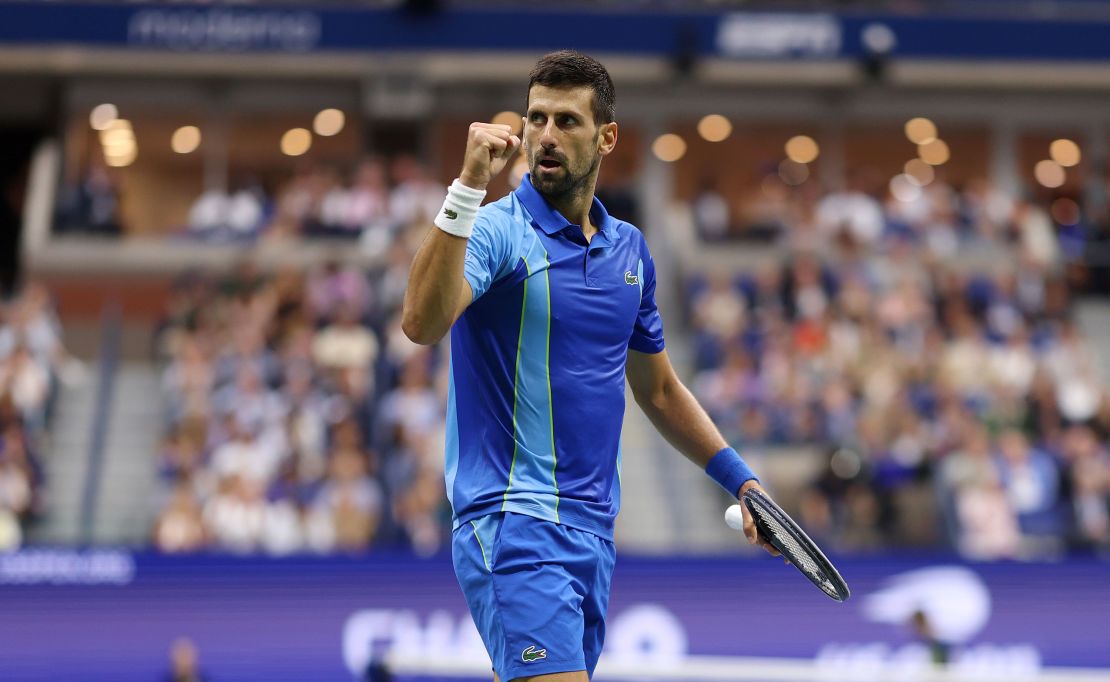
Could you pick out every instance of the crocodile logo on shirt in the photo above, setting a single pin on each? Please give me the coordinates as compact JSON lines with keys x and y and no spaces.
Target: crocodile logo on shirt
{"x":531,"y":654}
{"x":451,"y":215}
{"x":630,"y":279}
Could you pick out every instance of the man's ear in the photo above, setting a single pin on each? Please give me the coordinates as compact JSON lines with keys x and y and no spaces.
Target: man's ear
{"x":607,"y":138}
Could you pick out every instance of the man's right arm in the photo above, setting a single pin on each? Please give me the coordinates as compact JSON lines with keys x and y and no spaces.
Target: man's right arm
{"x":437,"y":292}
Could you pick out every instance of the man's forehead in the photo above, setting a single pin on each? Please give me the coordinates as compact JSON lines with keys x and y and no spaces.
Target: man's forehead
{"x":579,"y":97}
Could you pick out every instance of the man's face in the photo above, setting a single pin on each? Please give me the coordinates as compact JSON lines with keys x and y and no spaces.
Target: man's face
{"x":562,"y":143}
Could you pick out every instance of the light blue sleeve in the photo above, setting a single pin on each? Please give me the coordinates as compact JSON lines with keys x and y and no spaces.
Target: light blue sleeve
{"x":647,"y":335}
{"x":489,"y":252}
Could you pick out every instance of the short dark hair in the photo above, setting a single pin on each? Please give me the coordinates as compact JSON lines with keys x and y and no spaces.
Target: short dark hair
{"x":570,"y":69}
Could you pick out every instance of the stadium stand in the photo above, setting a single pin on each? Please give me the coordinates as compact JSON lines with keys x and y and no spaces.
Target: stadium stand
{"x":33,"y":364}
{"x":944,"y":397}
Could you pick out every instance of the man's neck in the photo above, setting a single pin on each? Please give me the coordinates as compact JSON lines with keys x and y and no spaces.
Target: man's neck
{"x":576,"y":209}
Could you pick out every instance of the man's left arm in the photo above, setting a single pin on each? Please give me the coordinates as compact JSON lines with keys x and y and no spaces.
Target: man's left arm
{"x":679,"y":417}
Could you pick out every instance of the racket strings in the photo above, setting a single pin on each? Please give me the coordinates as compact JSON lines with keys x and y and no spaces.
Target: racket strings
{"x":797,"y":554}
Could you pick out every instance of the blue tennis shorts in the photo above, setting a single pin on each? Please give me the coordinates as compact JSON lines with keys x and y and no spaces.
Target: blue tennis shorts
{"x":537,"y":590}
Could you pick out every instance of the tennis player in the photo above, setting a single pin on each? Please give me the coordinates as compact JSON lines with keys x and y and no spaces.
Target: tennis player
{"x":550,"y":303}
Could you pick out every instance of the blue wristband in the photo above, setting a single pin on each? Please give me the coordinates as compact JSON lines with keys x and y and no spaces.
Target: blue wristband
{"x":730,"y":471}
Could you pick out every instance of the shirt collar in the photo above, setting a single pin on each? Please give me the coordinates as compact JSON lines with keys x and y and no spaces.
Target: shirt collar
{"x":551,"y":220}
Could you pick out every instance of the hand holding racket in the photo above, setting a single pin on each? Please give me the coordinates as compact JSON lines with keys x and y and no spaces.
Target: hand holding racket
{"x":777,"y":529}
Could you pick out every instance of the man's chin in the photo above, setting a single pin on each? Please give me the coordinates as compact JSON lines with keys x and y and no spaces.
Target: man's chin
{"x":552,"y":183}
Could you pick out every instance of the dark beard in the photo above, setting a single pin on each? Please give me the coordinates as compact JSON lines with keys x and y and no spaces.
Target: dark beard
{"x":569,"y":185}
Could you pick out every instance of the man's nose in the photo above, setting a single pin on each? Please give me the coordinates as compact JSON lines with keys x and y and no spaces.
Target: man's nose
{"x":547,"y":137}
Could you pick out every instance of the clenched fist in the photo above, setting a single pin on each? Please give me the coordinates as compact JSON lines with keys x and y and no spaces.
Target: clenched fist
{"x":489,"y":146}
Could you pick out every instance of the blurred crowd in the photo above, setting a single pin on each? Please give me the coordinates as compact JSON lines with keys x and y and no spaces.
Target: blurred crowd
{"x":370,"y":203}
{"x":32,"y":361}
{"x":299,"y":416}
{"x":956,"y":402}
{"x":939,"y":218}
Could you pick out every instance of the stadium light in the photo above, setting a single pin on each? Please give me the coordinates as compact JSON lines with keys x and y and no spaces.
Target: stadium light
{"x":934,"y":153}
{"x":509,"y":118}
{"x":802,"y":149}
{"x":117,"y":139}
{"x":1049,"y":173}
{"x":185,"y":139}
{"x":669,"y":147}
{"x":296,"y":142}
{"x":329,"y":122}
{"x":102,"y":116}
{"x":714,"y":128}
{"x":1065,"y":152}
{"x":920,"y":130}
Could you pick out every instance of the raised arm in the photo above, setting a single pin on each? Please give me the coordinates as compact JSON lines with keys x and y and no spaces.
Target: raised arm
{"x":437,"y":292}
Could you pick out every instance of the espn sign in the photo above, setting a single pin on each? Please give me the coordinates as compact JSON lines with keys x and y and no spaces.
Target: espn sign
{"x":779,"y":35}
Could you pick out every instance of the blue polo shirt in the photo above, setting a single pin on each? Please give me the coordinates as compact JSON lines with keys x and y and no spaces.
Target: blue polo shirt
{"x":536,"y":397}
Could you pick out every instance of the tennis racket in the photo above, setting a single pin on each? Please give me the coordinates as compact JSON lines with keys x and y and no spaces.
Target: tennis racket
{"x":787,"y":537}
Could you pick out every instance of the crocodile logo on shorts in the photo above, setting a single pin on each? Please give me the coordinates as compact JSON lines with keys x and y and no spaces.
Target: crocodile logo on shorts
{"x":451,"y":215}
{"x":531,"y":654}
{"x":630,"y":279}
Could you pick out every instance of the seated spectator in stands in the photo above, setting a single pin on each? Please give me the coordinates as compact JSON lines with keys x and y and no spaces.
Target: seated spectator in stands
{"x":1088,"y":463}
{"x":235,"y":515}
{"x":711,"y":213}
{"x":1075,"y":371}
{"x":30,"y":322}
{"x":1031,"y":480}
{"x":413,"y":405}
{"x":359,"y":208}
{"x":180,"y":525}
{"x":183,"y":450}
{"x":217,"y":215}
{"x":17,"y":474}
{"x":720,"y":310}
{"x":987,"y":213}
{"x":391,"y":282}
{"x":1036,"y":233}
{"x":416,"y":196}
{"x":91,"y":205}
{"x":352,"y":499}
{"x":334,"y":286}
{"x":247,"y":348}
{"x":347,"y":349}
{"x":11,"y":533}
{"x":853,"y":210}
{"x":189,"y":380}
{"x":984,"y":521}
{"x":418,"y":510}
{"x":249,"y":453}
{"x":368,"y":207}
{"x":311,"y":413}
{"x":27,"y":381}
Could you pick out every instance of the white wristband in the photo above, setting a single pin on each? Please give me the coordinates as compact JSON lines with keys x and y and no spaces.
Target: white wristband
{"x":459,"y":210}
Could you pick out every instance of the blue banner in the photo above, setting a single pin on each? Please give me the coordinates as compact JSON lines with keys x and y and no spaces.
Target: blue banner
{"x":108,"y":615}
{"x":217,"y":28}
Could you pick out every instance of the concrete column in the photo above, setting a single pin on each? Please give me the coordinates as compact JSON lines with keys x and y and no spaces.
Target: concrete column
{"x":1004,"y":158}
{"x":1095,"y":153}
{"x":215,"y":141}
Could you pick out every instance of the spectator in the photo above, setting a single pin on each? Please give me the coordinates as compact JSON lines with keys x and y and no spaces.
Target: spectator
{"x":180,"y":526}
{"x":352,"y":499}
{"x":185,"y":662}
